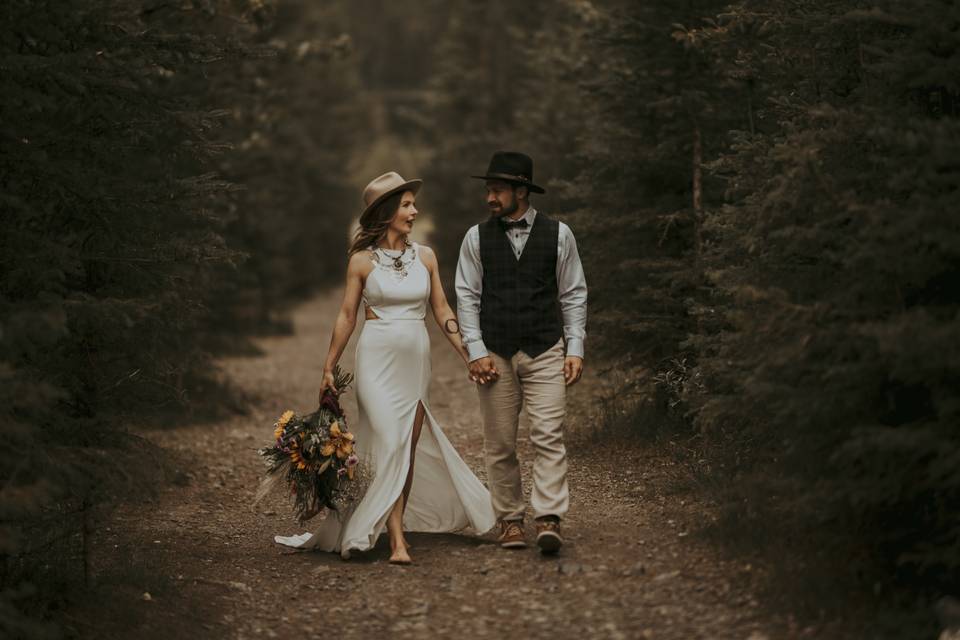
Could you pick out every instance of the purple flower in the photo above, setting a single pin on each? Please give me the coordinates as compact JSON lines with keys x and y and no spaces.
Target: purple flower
{"x":352,"y":460}
{"x":342,"y":471}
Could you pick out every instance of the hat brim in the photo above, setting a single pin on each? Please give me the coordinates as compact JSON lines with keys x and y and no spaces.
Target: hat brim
{"x":409,"y":185}
{"x":506,"y":177}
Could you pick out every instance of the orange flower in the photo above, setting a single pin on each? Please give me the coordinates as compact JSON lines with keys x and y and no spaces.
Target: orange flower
{"x":297,"y":459}
{"x":282,"y":422}
{"x":340,"y":442}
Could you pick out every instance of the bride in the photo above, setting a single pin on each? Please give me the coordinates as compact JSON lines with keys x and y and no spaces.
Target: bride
{"x":420,"y":483}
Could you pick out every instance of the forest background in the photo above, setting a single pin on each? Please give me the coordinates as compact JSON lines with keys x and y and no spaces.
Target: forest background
{"x":760,"y":192}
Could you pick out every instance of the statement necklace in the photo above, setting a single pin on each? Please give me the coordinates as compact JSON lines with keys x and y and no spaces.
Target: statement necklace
{"x":396,"y":266}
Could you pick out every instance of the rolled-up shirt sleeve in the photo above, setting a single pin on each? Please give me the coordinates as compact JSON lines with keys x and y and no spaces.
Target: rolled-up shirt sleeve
{"x":572,"y":289}
{"x":468,"y":284}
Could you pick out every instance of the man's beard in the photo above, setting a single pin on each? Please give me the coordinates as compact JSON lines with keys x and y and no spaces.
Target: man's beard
{"x":507,"y":210}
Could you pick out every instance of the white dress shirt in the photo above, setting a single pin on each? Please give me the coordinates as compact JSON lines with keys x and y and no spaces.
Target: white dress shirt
{"x":571,"y":286}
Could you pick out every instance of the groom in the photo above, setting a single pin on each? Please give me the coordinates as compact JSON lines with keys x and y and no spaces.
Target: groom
{"x":522,"y":307}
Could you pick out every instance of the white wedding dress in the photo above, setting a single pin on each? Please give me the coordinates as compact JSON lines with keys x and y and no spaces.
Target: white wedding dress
{"x":392,"y":376}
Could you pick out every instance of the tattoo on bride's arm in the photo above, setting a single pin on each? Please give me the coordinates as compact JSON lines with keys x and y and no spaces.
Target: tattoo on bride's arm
{"x":456,"y":326}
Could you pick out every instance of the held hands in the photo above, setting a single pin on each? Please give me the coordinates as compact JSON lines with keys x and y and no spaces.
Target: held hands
{"x":483,"y":370}
{"x":327,"y":383}
{"x":572,"y":369}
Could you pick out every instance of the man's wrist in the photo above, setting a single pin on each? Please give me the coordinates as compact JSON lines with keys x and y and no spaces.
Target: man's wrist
{"x":575,"y":347}
{"x":476,"y":350}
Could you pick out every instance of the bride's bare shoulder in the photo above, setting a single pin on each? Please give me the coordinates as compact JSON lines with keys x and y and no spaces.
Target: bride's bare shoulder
{"x":427,"y":252}
{"x":361,"y":263}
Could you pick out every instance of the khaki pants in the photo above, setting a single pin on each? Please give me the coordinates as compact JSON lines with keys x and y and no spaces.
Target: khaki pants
{"x":538,"y":384}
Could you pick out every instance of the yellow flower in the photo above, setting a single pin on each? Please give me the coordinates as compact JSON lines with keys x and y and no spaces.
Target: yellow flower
{"x":340,"y":442}
{"x":281,"y":423}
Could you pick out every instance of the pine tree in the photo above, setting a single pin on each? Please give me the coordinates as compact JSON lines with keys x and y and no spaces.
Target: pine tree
{"x":832,"y":378}
{"x":122,"y":230}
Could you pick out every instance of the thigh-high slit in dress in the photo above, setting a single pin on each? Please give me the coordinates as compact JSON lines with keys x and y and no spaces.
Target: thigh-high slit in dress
{"x":392,"y":377}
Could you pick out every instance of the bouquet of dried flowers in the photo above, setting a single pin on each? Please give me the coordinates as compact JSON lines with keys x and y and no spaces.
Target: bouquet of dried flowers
{"x":314,"y":456}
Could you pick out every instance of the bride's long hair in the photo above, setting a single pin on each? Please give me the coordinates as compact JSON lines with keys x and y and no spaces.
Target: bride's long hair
{"x":374,"y":228}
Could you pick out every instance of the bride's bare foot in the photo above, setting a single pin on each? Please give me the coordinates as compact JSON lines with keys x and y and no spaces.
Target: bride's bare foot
{"x":400,"y":556}
{"x":398,"y":542}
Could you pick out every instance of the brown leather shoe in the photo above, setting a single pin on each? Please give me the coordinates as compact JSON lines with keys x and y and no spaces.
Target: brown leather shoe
{"x":548,"y":536}
{"x":511,"y":534}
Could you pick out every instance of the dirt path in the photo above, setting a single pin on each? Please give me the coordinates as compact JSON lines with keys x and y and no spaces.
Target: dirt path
{"x":211,"y":569}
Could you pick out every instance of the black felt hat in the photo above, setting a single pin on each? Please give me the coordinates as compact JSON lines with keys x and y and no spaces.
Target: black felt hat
{"x":514,"y":167}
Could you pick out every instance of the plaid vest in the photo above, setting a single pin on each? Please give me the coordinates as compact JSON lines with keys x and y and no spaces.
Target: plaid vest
{"x":519,"y":306}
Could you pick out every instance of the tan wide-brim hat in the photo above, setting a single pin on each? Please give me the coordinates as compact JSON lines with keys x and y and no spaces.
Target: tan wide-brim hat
{"x":382,"y":187}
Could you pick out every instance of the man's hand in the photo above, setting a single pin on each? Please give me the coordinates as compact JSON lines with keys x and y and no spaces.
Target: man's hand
{"x":572,"y":369}
{"x":482,"y":370}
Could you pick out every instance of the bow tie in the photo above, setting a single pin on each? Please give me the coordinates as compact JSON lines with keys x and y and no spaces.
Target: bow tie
{"x":519,"y":224}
